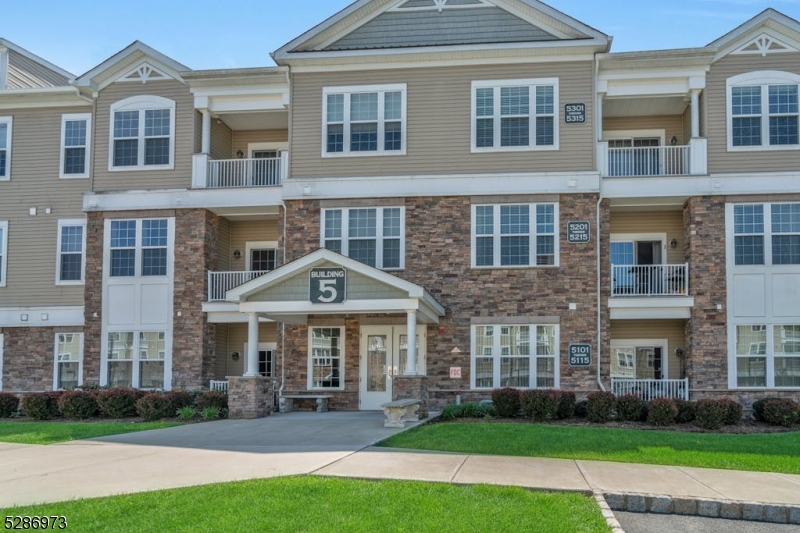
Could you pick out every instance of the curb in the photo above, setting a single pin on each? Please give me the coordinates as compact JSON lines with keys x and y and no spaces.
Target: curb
{"x":730,"y":509}
{"x":608,"y":514}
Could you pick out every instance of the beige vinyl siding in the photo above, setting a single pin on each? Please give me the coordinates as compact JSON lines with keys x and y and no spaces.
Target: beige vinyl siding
{"x":249,"y":231}
{"x":672,"y":330}
{"x":36,"y":148}
{"x":439,"y":111}
{"x":241,"y":139}
{"x":237,"y":337}
{"x":198,"y":132}
{"x":224,"y":245}
{"x":24,"y":73}
{"x":221,"y":139}
{"x":719,"y":159}
{"x":671,"y":124}
{"x":703,"y":111}
{"x":184,"y":127}
{"x":669,"y":222}
{"x":223,"y":359}
{"x":687,"y":127}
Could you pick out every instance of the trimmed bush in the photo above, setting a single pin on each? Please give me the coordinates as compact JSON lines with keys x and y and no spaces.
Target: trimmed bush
{"x":506,"y":402}
{"x":686,"y":411}
{"x":630,"y":408}
{"x":9,"y":404}
{"x":77,"y":404}
{"x":118,"y":403}
{"x":565,"y":407}
{"x":711,"y":414}
{"x":41,"y":405}
{"x":758,"y":407}
{"x":154,"y":406}
{"x":781,"y":412}
{"x":600,"y":407}
{"x":468,"y":410}
{"x":661,"y":412}
{"x":733,"y":414}
{"x":581,"y":409}
{"x":178,"y":399}
{"x":538,"y":405}
{"x":211,"y":399}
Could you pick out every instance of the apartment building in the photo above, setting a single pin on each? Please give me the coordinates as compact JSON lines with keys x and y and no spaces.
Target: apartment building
{"x":483,"y":176}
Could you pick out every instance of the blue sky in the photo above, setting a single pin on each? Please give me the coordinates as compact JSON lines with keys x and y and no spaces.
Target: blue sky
{"x":201,"y":34}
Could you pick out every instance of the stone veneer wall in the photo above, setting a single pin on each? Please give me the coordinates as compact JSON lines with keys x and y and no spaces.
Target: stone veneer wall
{"x":28,"y":357}
{"x":437,"y":256}
{"x":93,"y":298}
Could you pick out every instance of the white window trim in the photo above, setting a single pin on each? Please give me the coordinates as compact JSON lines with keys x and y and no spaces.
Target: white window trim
{"x":762,"y":79}
{"x":645,"y":343}
{"x":259,"y":245}
{"x":277,"y":146}
{"x":9,"y":121}
{"x":310,"y":365}
{"x":378,"y":233}
{"x":141,"y":104}
{"x":139,"y":249}
{"x":348,"y":90}
{"x":65,"y":223}
{"x":266,"y":347}
{"x":497,"y":84}
{"x":2,"y":344}
{"x":88,"y":146}
{"x":532,"y":357}
{"x":136,"y":359}
{"x":616,"y":135}
{"x":4,"y":254}
{"x":767,"y":235}
{"x":642,"y":237}
{"x":531,"y":234}
{"x":56,"y":362}
{"x":769,"y":356}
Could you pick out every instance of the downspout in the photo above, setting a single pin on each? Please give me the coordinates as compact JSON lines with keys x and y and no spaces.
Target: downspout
{"x":283,"y":324}
{"x":599,"y":291}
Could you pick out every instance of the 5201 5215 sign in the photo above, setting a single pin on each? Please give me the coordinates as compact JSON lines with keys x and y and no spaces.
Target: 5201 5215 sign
{"x":578,"y":232}
{"x":327,"y":285}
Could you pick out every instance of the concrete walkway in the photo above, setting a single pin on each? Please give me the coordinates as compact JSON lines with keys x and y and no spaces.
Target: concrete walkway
{"x":340,"y":444}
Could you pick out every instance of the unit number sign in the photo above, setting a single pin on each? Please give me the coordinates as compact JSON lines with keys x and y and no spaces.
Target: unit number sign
{"x":327,"y":285}
{"x":580,"y":355}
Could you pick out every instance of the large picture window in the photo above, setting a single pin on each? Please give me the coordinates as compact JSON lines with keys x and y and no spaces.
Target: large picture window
{"x":142,"y":134}
{"x":768,"y":356}
{"x":523,"y":356}
{"x":139,"y":247}
{"x":763,"y":111}
{"x":514,"y":235}
{"x":136,"y":359}
{"x":326,"y":358}
{"x":374,"y":236}
{"x":766,"y":234}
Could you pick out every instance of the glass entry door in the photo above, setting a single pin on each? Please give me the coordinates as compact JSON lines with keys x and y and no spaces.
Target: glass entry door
{"x":383,"y":356}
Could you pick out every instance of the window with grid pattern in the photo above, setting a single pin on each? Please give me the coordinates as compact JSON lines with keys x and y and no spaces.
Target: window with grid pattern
{"x":71,"y":256}
{"x":68,"y":359}
{"x":511,"y":235}
{"x":764,"y":111}
{"x":139,"y":247}
{"x":364,"y":120}
{"x":5,"y":148}
{"x":142,"y":133}
{"x":326,"y":356}
{"x":75,"y":136}
{"x":374,"y":236}
{"x":523,"y":356}
{"x":766,"y":234}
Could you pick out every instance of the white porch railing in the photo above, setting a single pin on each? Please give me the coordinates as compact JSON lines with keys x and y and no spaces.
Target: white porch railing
{"x":648,"y":389}
{"x":237,"y":173}
{"x":221,"y":386}
{"x":648,"y":161}
{"x":221,"y":282}
{"x":650,"y":280}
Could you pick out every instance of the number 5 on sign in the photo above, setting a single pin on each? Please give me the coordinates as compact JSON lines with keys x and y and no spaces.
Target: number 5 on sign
{"x":327,"y":285}
{"x":328,"y":289}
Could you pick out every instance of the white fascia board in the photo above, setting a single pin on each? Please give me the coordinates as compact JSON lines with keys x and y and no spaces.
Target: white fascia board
{"x":770,"y":18}
{"x":628,"y":88}
{"x":713,"y":185}
{"x":40,"y":98}
{"x":275,"y":102}
{"x":565,"y":19}
{"x":444,"y":185}
{"x":183,"y":199}
{"x":36,"y":59}
{"x":347,"y":307}
{"x":651,"y":314}
{"x":655,"y":302}
{"x":109,"y":70}
{"x":12,"y":317}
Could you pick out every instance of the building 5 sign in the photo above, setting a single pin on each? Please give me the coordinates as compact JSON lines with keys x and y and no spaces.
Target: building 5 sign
{"x":580,"y":355}
{"x":327,"y":285}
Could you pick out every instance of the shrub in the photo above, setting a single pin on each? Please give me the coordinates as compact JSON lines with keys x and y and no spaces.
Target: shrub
{"x":77,"y":404}
{"x":539,"y":405}
{"x":600,"y":407}
{"x":733,"y":413}
{"x":711,"y":414}
{"x":40,"y":405}
{"x":154,"y":406}
{"x":212,"y":398}
{"x":758,"y":407}
{"x":781,"y":412}
{"x":468,"y":410}
{"x":210,"y":413}
{"x":118,"y":403}
{"x":506,"y":402}
{"x":186,"y":413}
{"x":661,"y":412}
{"x":686,"y":411}
{"x":9,"y":404}
{"x":178,"y":399}
{"x":565,"y":407}
{"x":581,"y":409}
{"x":630,"y":407}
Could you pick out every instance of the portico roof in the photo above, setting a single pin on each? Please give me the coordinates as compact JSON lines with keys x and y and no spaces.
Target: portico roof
{"x":284,"y":293}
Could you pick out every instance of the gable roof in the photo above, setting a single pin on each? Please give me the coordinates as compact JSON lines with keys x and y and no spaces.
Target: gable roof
{"x":29,"y":71}
{"x":769,"y":26}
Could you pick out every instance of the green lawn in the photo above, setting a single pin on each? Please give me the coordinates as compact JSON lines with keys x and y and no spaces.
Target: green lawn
{"x":58,"y":431}
{"x":311,"y":504}
{"x":775,"y":452}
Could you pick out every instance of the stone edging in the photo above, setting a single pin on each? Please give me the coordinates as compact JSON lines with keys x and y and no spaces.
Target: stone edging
{"x":730,"y":509}
{"x":608,"y":514}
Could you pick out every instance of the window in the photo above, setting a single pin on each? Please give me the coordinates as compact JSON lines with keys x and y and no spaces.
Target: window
{"x":763,"y":111}
{"x":5,"y":148}
{"x":262,"y":260}
{"x":523,"y":356}
{"x":75,"y":143}
{"x":374,"y":236}
{"x":768,"y":356}
{"x":639,"y":359}
{"x":364,"y":120}
{"x":68,"y":372}
{"x":71,"y":260}
{"x":325,"y":358}
{"x":512,"y":235}
{"x":136,"y":359}
{"x":515,"y":115}
{"x":766,"y":234}
{"x":266,"y":363}
{"x":142,"y":134}
{"x":146,"y":240}
{"x":3,"y":251}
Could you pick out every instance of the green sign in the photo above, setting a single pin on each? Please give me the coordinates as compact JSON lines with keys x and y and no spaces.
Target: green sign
{"x":580,"y":355}
{"x":327,"y":285}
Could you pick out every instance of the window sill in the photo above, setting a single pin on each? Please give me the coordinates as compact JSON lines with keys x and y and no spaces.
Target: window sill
{"x":73,"y":177}
{"x":521,"y":267}
{"x":141,"y":168}
{"x":779,"y":148}
{"x":70,"y":283}
{"x":476,"y":150}
{"x":336,"y":155}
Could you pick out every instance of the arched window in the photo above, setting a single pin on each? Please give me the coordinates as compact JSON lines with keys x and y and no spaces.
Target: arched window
{"x":763,"y":111}
{"x":142,"y":134}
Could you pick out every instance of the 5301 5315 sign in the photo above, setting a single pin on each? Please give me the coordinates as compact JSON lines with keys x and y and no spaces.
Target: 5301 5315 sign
{"x":327,"y":285}
{"x":575,"y":113}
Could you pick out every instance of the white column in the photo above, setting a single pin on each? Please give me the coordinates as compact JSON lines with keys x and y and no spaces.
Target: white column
{"x":599,"y":116}
{"x":411,"y":352}
{"x":206,"y":144}
{"x":695,"y":113}
{"x":251,"y":370}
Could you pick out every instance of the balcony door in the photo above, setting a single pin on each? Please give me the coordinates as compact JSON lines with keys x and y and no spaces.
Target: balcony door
{"x":635,"y":152}
{"x":636,"y":264}
{"x":639,"y":359}
{"x":266,"y":163}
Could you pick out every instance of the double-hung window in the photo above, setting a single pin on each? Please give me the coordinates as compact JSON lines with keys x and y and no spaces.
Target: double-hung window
{"x":75,"y":145}
{"x":142,"y":134}
{"x":364,"y":120}
{"x":3,"y":251}
{"x":766,"y":234}
{"x":71,"y":261}
{"x":68,"y":372}
{"x":374,"y":236}
{"x":326,"y":358}
{"x":524,"y":356}
{"x":768,"y":355}
{"x":515,"y":115}
{"x":764,"y":111}
{"x":136,"y":359}
{"x":139,"y":247}
{"x":5,"y":148}
{"x":514,"y":235}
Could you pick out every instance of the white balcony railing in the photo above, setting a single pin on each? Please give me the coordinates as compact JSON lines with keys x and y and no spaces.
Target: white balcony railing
{"x":648,"y":161}
{"x":221,"y":282}
{"x":649,"y":280}
{"x":648,"y":389}
{"x":238,"y":173}
{"x":221,"y":386}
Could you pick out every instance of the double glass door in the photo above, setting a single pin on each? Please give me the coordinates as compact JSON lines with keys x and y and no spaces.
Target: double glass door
{"x":383,"y":356}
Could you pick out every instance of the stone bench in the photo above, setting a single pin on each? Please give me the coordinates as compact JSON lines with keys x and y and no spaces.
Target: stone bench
{"x":399,"y":412}
{"x":322,"y":401}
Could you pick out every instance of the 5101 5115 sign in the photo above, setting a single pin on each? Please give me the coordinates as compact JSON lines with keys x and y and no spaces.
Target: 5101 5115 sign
{"x":579,"y":232}
{"x":580,"y":355}
{"x":575,"y":113}
{"x":327,"y":285}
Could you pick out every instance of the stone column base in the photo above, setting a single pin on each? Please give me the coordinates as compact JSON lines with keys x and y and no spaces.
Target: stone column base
{"x":249,"y":397}
{"x":414,"y":388}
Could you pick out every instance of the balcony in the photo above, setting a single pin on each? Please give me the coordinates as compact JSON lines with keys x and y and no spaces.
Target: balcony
{"x":649,"y":389}
{"x":210,"y":173}
{"x":220,"y":283}
{"x":650,"y":291}
{"x":652,"y":161}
